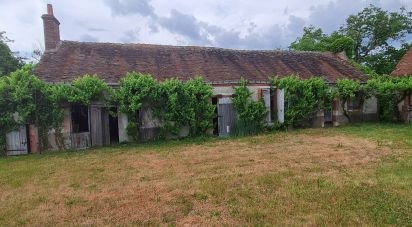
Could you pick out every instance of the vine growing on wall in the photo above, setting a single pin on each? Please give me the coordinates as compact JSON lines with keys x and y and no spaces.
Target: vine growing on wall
{"x":390,"y":91}
{"x":251,"y":113}
{"x":135,"y":89}
{"x":303,"y":98}
{"x":175,"y":104}
{"x":347,"y":89}
{"x":82,"y":91}
{"x":27,"y":100}
{"x":201,"y":110}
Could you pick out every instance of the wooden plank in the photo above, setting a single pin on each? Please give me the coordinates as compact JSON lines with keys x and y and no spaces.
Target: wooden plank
{"x":227,"y":118}
{"x":34,"y":139}
{"x":16,"y":142}
{"x":105,"y":127}
{"x":96,"y":126}
{"x":80,"y":140}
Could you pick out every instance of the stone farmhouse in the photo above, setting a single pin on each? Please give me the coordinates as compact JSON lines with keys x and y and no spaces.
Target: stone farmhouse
{"x":86,"y":126}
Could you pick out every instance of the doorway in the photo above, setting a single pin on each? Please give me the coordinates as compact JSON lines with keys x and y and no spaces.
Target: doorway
{"x":216,"y":117}
{"x":113,"y":126}
{"x":328,"y":118}
{"x":227,"y":116}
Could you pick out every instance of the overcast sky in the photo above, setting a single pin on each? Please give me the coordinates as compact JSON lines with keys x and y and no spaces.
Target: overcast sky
{"x":239,"y":24}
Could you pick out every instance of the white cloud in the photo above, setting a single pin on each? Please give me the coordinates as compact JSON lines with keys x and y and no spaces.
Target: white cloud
{"x":260,"y":24}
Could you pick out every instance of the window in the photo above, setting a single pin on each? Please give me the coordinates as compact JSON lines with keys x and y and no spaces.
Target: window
{"x":80,"y":119}
{"x":355,"y":103}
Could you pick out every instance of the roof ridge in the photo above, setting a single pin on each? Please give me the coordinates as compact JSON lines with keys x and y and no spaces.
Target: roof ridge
{"x":202,"y":47}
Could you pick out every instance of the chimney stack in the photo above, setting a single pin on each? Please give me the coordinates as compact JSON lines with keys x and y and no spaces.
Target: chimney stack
{"x":51,"y":29}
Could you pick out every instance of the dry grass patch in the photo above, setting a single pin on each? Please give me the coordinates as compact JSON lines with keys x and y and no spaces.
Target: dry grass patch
{"x":307,"y":177}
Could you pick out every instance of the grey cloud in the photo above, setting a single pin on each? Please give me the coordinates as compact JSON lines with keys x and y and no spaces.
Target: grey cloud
{"x":329,"y":17}
{"x":184,"y":24}
{"x":130,"y":7}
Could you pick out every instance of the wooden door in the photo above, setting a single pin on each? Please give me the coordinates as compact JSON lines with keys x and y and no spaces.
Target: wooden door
{"x":327,"y":116}
{"x":227,"y":118}
{"x":16,"y":142}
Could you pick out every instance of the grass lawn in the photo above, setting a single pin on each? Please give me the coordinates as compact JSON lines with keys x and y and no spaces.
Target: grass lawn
{"x":355,"y":175}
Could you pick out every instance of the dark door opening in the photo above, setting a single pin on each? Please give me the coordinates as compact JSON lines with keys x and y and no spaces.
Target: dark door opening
{"x":80,"y":119}
{"x":216,"y":118}
{"x":328,"y":117}
{"x":113,"y":126}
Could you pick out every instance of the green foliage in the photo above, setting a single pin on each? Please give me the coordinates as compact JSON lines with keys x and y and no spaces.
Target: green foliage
{"x":371,"y":38}
{"x":8,"y":61}
{"x":377,"y":34}
{"x":390,"y":91}
{"x":313,"y":39}
{"x":303,"y":98}
{"x":27,"y":100}
{"x":347,"y":89}
{"x":174,"y":111}
{"x":82,"y":91}
{"x":174,"y":103}
{"x":135,"y":89}
{"x":199,"y":103}
{"x":384,"y":62}
{"x":251,"y":113}
{"x":132,"y":128}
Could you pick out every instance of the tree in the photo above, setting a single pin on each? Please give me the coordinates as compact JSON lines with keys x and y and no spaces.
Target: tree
{"x":385,"y":62}
{"x":376,"y":33}
{"x":314,"y":39}
{"x":8,"y":61}
{"x":372,"y":38}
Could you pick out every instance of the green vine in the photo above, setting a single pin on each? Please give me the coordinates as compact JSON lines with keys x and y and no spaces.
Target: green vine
{"x":251,"y":113}
{"x":303,"y":98}
{"x":27,"y":100}
{"x":174,"y":103}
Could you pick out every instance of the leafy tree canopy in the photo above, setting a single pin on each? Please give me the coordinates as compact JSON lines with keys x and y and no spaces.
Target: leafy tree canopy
{"x":314,"y":39}
{"x":374,"y":38}
{"x":8,"y":61}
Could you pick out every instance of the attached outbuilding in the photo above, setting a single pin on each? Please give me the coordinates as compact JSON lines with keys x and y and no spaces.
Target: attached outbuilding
{"x":404,"y":68}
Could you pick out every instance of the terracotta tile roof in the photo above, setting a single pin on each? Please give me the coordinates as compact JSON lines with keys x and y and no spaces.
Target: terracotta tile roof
{"x":404,"y":66}
{"x":111,"y":62}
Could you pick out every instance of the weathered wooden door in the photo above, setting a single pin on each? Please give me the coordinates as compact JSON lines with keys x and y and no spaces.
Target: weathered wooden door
{"x":327,"y":115}
{"x":227,"y":117}
{"x":16,"y":142}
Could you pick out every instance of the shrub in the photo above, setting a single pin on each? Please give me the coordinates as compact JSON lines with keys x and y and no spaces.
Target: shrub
{"x":251,"y":113}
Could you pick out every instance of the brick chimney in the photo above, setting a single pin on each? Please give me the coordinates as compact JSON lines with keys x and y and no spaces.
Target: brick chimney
{"x":51,"y":29}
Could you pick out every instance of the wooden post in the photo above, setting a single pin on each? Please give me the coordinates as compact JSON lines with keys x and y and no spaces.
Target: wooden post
{"x":34,"y":139}
{"x":405,"y":109}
